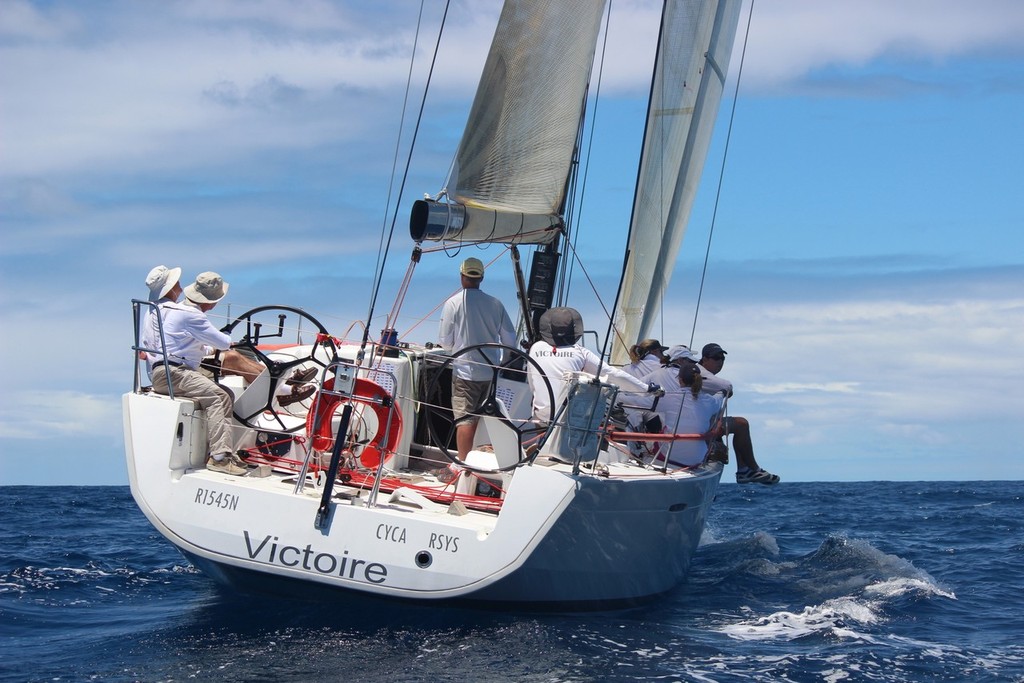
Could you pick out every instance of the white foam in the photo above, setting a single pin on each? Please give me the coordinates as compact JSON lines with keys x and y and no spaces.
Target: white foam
{"x":897,"y":586}
{"x":832,"y":616}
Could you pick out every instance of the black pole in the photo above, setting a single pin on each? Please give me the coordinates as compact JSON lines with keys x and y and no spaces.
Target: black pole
{"x":323,"y":513}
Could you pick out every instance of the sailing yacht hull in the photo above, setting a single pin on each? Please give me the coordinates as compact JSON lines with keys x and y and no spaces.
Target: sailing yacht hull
{"x":559,"y":540}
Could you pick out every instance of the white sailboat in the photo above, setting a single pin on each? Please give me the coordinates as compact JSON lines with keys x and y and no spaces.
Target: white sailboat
{"x":341,"y":493}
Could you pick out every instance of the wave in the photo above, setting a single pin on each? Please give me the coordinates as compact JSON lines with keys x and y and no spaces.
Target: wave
{"x":64,"y":584}
{"x":850,"y":583}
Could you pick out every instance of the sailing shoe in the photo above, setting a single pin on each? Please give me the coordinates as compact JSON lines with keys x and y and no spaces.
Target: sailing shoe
{"x":226,"y":466}
{"x":300,"y":377}
{"x":758,"y":476}
{"x":446,"y":474}
{"x":299,"y":393}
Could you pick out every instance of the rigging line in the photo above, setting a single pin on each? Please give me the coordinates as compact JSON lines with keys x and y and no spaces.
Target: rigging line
{"x":593,"y":125}
{"x":388,"y":322}
{"x":597,"y":295}
{"x":401,"y":129}
{"x":721,"y":172}
{"x":401,"y":189}
{"x":611,"y":321}
{"x":431,"y":312}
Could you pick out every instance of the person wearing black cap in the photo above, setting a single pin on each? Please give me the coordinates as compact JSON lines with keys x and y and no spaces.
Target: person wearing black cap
{"x":712,"y":358}
{"x":747,"y":470}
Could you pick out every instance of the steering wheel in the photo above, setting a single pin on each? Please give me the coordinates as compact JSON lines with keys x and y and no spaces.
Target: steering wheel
{"x":488,"y":407}
{"x":259,"y":326}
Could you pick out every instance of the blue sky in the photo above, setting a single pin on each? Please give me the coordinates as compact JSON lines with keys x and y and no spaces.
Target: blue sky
{"x":866,"y":271}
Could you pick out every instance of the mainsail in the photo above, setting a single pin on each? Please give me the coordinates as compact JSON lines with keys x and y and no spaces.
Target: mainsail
{"x":509,"y":179}
{"x":692,"y":62}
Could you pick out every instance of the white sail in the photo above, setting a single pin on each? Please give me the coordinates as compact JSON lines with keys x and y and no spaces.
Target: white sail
{"x":509,"y":178}
{"x":692,"y":62}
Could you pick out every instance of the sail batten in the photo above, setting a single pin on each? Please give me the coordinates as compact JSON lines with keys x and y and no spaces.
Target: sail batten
{"x":693,"y":58}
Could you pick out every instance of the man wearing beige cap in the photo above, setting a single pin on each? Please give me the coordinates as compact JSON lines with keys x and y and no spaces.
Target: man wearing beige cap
{"x":471,"y":317}
{"x":232,"y":362}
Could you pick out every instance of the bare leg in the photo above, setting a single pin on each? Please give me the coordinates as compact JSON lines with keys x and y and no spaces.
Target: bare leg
{"x":742,"y":445}
{"x":464,"y":435}
{"x":234,"y":363}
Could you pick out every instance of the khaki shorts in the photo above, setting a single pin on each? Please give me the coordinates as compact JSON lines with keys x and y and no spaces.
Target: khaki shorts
{"x":467,"y":395}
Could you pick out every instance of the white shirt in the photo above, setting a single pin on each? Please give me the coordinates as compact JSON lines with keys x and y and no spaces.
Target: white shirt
{"x":644,"y":366}
{"x":681,"y":413}
{"x":557,"y":361}
{"x":472,"y":317}
{"x":713,"y":384}
{"x":187,"y":331}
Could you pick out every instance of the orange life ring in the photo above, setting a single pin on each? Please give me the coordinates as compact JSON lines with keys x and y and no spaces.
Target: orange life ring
{"x":377,"y":399}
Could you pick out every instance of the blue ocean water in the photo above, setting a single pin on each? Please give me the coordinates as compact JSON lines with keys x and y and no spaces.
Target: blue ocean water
{"x":876,"y":581}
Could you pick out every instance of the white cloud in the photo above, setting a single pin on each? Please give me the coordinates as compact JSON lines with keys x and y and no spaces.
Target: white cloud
{"x":794,"y":387}
{"x":792,"y":38}
{"x":196,"y":81}
{"x":58,"y":414}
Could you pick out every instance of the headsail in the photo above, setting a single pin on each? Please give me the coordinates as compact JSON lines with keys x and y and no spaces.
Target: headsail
{"x":509,"y":180}
{"x":692,"y":62}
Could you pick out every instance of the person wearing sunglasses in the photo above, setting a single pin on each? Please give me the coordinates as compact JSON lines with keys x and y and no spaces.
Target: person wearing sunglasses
{"x":747,"y":470}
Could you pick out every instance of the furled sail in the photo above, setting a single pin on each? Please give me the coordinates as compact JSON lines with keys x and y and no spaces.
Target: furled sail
{"x":509,"y":179}
{"x":692,"y":62}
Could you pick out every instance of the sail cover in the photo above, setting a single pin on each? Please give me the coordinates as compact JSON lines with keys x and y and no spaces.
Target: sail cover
{"x":692,"y":62}
{"x":510,"y":172}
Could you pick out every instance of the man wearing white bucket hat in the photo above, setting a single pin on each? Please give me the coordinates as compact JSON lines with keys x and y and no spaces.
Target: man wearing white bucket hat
{"x":164,"y":284}
{"x":164,"y":287}
{"x":187,"y":334}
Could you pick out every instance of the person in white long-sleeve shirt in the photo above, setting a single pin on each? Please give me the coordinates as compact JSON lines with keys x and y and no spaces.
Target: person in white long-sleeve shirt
{"x":684,"y":409}
{"x":470,"y":317}
{"x":558,"y":352}
{"x":647,"y":356}
{"x":164,"y":287}
{"x":188,"y":335}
